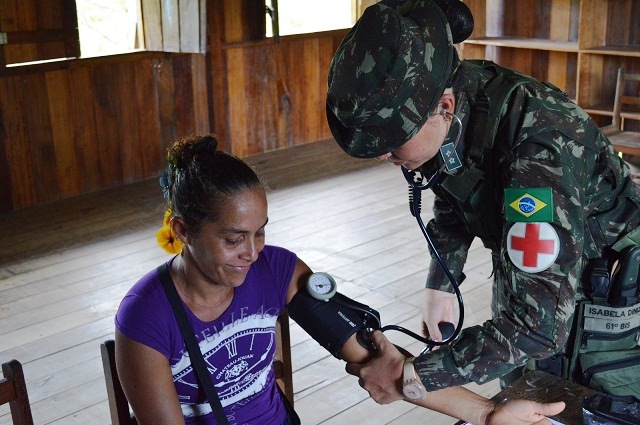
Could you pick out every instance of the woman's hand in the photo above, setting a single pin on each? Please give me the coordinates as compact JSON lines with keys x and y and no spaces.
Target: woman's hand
{"x":522,"y":412}
{"x":381,"y":376}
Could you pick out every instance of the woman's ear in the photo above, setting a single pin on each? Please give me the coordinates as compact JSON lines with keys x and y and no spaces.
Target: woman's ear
{"x":179,"y":229}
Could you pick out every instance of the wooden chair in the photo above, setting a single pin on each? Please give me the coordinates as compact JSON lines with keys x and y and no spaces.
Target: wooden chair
{"x":282,"y":363}
{"x":13,"y":390}
{"x":625,"y":142}
{"x":119,"y":405}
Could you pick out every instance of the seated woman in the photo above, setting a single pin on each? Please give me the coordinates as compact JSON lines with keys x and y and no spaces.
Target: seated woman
{"x":233,"y":286}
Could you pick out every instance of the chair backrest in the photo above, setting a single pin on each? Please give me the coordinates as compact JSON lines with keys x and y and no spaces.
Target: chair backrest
{"x":626,"y":105}
{"x":282,"y":363}
{"x":119,"y":405}
{"x":13,"y":390}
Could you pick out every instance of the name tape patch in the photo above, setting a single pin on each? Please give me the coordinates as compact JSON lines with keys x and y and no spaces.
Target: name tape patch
{"x":611,"y":320}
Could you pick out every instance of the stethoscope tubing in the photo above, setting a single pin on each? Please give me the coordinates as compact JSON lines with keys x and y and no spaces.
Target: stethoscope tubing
{"x":416,"y":186}
{"x":443,"y":265}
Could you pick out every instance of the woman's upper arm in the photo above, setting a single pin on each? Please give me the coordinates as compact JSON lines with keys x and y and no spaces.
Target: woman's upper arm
{"x":351,"y":351}
{"x":300,"y":274}
{"x":145,"y":375}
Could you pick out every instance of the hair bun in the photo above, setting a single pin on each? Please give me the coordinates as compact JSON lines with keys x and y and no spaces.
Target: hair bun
{"x":460,"y":18}
{"x":185,"y":150}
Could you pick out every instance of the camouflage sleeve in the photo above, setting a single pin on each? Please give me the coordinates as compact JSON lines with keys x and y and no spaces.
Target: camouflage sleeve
{"x":531,"y":311}
{"x":452,"y":241}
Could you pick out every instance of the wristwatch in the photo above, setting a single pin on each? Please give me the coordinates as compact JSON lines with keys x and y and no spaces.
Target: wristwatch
{"x":412,"y":387}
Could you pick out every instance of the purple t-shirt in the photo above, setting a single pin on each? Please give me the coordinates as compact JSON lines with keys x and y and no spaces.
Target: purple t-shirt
{"x":238,"y":347}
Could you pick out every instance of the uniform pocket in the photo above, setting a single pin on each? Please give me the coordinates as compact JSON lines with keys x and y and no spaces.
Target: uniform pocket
{"x":612,"y":372}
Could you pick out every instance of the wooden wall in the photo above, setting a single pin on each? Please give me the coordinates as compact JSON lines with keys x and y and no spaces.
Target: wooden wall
{"x":37,"y":30}
{"x":83,"y":125}
{"x":276,"y":92}
{"x":80,"y":126}
{"x":266,"y":95}
{"x":174,"y":25}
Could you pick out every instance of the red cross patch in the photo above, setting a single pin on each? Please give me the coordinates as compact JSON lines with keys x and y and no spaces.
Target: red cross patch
{"x":532,"y":247}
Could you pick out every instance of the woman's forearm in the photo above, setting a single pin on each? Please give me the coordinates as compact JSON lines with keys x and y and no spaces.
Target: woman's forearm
{"x":353,"y":352}
{"x":458,"y":402}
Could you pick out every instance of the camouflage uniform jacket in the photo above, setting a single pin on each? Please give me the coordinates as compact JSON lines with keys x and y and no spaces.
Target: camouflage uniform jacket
{"x":543,"y":141}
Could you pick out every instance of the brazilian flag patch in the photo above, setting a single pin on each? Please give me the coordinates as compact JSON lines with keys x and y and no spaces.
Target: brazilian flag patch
{"x":529,"y":204}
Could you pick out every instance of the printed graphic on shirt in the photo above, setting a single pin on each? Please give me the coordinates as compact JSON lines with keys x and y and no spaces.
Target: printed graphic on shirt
{"x":529,"y":205}
{"x":532,"y":247}
{"x":239,"y":357}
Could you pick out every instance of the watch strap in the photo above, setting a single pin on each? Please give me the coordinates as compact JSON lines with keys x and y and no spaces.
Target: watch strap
{"x":411,"y":382}
{"x":409,"y":371}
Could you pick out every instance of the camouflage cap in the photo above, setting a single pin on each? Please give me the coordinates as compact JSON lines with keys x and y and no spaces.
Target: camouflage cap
{"x":387,"y":75}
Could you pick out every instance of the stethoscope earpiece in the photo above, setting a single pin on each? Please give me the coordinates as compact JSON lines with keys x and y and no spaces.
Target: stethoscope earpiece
{"x":419,"y":180}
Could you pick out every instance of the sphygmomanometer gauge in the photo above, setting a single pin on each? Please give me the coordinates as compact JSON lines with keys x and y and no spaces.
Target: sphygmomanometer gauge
{"x":321,"y":286}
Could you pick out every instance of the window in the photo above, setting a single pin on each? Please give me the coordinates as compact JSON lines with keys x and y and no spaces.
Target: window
{"x":107,"y":27}
{"x":297,"y":16}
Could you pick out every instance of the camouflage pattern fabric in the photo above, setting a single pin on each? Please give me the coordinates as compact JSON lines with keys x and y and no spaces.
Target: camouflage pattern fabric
{"x":371,"y":103}
{"x":544,"y":141}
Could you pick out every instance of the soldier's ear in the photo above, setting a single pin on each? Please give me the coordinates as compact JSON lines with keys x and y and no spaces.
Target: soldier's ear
{"x":447,"y":103}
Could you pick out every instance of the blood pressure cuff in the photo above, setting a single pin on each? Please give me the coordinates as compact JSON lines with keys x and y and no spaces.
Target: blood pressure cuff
{"x":330,"y":322}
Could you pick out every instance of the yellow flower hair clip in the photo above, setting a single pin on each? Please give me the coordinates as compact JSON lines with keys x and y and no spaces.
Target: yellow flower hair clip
{"x":166,"y":238}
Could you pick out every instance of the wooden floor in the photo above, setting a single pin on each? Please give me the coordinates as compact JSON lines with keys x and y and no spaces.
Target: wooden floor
{"x":64,"y":268}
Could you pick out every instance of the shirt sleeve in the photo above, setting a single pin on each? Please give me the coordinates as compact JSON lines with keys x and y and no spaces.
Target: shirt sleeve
{"x":450,"y":237}
{"x":145,"y":315}
{"x":282,"y":263}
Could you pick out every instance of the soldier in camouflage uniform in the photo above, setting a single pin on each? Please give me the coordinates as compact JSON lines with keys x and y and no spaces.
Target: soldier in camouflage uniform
{"x":536,"y":181}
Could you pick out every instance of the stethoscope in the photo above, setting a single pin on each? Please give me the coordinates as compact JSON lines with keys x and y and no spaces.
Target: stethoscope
{"x":417,"y":183}
{"x":371,"y":319}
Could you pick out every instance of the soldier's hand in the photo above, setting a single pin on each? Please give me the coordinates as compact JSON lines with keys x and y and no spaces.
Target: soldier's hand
{"x":438,"y":306}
